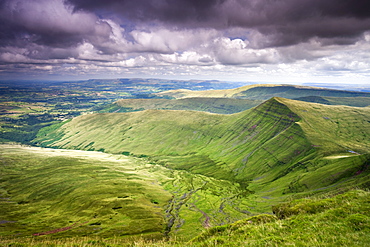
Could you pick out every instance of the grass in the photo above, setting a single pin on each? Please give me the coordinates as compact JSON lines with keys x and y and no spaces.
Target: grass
{"x":174,"y":174}
{"x":51,"y":193}
{"x":46,"y":190}
{"x":340,"y":220}
{"x":276,"y":150}
{"x":334,"y":127}
{"x":271,"y":142}
{"x":330,"y":220}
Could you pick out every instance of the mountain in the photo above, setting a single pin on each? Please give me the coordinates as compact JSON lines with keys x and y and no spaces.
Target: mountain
{"x":264,"y":92}
{"x":288,"y":145}
{"x":208,"y":177}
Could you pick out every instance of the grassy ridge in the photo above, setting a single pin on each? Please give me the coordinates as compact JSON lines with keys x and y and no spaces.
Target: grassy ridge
{"x":282,"y":146}
{"x":290,"y":91}
{"x":259,"y":138}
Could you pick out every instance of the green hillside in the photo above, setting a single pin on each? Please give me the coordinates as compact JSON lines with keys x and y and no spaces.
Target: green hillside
{"x":214,"y":105}
{"x":207,"y":178}
{"x":71,"y":193}
{"x":264,"y":92}
{"x":54,"y":193}
{"x":282,"y":144}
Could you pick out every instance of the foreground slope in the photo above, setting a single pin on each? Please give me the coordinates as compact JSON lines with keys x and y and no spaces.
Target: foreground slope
{"x":280,"y":146}
{"x":72,"y":193}
{"x":343,"y":220}
{"x":69,"y":193}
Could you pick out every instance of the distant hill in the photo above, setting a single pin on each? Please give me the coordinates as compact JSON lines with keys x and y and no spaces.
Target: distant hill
{"x":291,"y":146}
{"x":214,"y":105}
{"x":264,"y":92}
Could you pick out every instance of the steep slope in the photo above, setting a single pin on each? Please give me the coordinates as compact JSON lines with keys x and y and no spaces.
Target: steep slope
{"x":264,"y":92}
{"x":280,"y":144}
{"x":231,"y":142}
{"x":334,"y":128}
{"x":340,"y":142}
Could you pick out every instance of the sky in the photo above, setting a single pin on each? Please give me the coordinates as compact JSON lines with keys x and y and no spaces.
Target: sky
{"x":283,"y":41}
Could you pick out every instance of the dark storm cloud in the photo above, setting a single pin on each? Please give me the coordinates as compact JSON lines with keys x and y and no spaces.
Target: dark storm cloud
{"x":48,"y":23}
{"x":283,"y":22}
{"x":175,"y":11}
{"x":286,"y":22}
{"x":180,"y":10}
